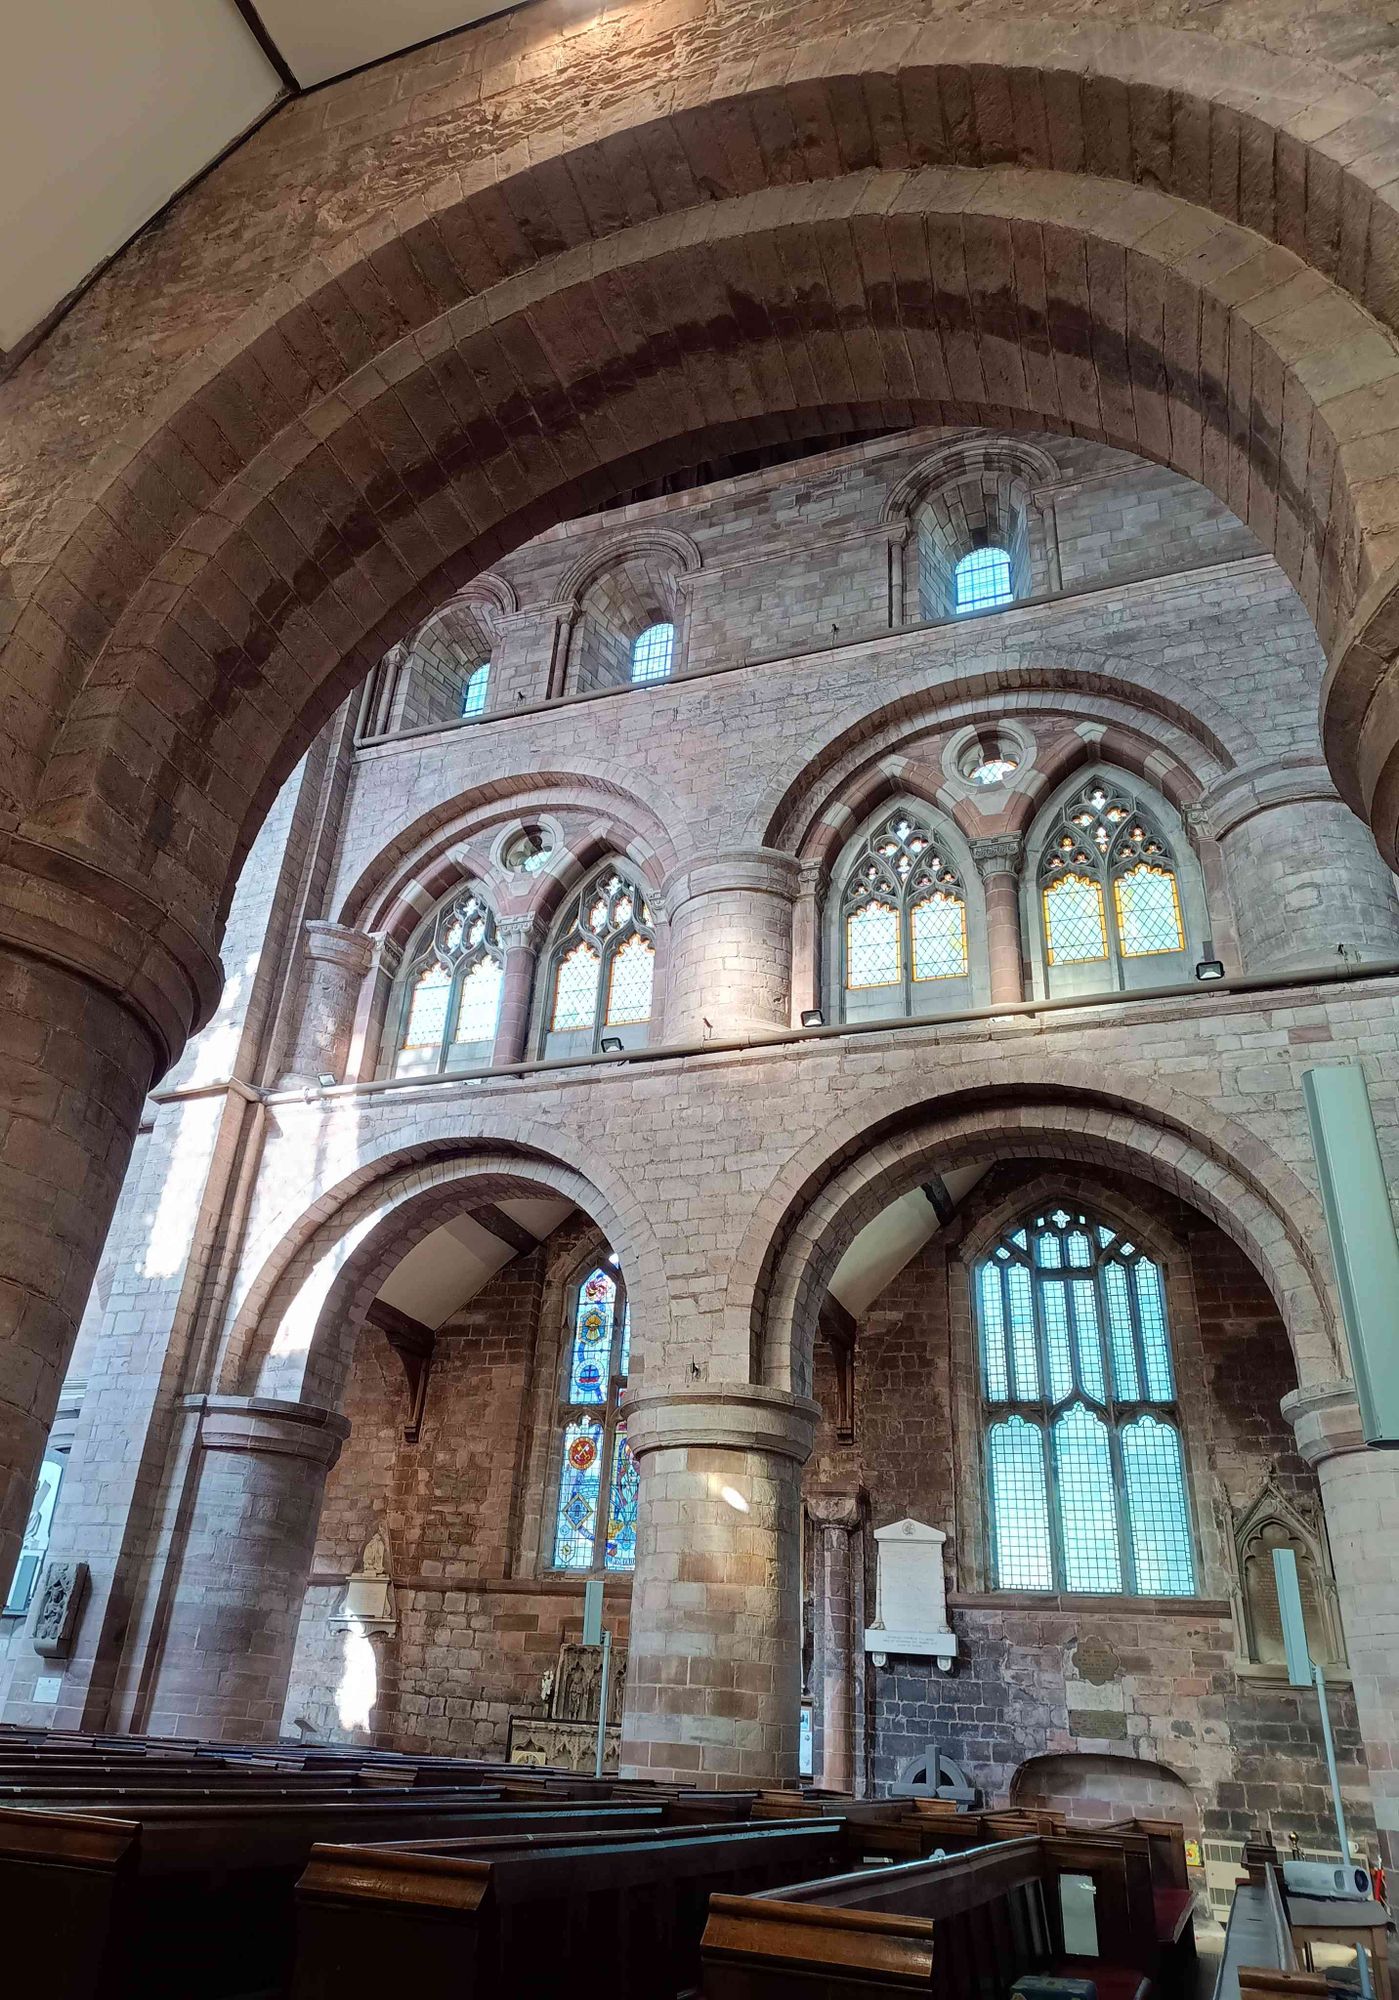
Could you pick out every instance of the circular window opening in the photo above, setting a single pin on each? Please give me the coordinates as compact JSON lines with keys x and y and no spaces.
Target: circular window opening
{"x":989,"y":761}
{"x":529,"y":851}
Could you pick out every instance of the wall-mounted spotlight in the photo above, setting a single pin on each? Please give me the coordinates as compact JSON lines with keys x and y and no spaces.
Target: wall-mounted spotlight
{"x":611,"y":1045}
{"x":812,"y":1017}
{"x":326,"y":1080}
{"x":1210,"y":968}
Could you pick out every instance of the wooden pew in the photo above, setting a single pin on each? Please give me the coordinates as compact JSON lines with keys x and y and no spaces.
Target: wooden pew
{"x":516,"y":1919}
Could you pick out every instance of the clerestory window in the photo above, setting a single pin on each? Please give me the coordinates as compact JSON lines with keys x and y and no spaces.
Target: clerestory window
{"x":601,"y":970}
{"x":903,"y":924}
{"x":982,"y":580}
{"x":652,"y":653}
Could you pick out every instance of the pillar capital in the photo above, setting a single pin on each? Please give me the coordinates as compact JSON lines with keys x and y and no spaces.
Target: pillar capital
{"x":841,"y":1508}
{"x":1325,"y":1418}
{"x":764,"y":871}
{"x":998,"y":854}
{"x":266,"y":1425}
{"x":738,"y":1416}
{"x":339,"y":945}
{"x":520,"y":933}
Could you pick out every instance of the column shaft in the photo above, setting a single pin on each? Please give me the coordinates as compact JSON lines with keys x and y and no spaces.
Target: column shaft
{"x":730,"y":956}
{"x":1306,"y":884}
{"x":998,"y":864}
{"x":520,"y":936}
{"x":837,"y":1630}
{"x":337,"y":959}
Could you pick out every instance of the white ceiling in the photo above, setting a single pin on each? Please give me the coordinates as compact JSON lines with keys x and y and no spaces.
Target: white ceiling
{"x":109,"y":107}
{"x":892,"y":1240}
{"x":447,"y":1269}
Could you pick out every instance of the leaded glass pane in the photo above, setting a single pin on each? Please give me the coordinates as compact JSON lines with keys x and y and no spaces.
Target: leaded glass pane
{"x":1125,"y":1384}
{"x":1056,"y":1339}
{"x":1073,"y":920}
{"x":1156,"y":1347}
{"x":1088,"y":1345}
{"x":620,"y":1552}
{"x":1024,"y":1360}
{"x":1048,"y":1251}
{"x":427,"y":1009}
{"x":982,"y":580}
{"x":592,"y":1339}
{"x":993,"y":1336}
{"x":629,"y":983}
{"x":575,"y":989}
{"x":1019,"y":1508}
{"x":1158,"y":1518}
{"x":1080,"y":1250}
{"x":575,"y":1527}
{"x":1083,"y":1485}
{"x":479,"y":1005}
{"x":872,"y":946}
{"x":473,"y":699}
{"x":651,"y":653}
{"x":1148,"y":911}
{"x":939,"y":938}
{"x":624,"y":1352}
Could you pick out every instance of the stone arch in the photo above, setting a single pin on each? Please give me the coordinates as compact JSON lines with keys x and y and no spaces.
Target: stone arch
{"x":1016,"y":1107}
{"x":1102,"y":1785}
{"x":294,"y":1331}
{"x":614,"y":594}
{"x":971,"y":493}
{"x":667,"y":545}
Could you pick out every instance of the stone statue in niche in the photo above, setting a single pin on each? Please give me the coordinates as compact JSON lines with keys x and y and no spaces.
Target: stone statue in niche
{"x":567,"y":1735}
{"x":58,"y":1609}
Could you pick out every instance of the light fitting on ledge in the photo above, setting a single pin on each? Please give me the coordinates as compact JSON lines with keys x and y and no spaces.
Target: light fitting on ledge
{"x":611,"y":1045}
{"x":326,"y":1080}
{"x":1210,"y":968}
{"x":812,"y":1017}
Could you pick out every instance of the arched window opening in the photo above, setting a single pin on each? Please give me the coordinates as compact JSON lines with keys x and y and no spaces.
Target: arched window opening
{"x":1110,"y":895}
{"x":652,"y":652}
{"x":602,"y":969}
{"x":473,"y":694}
{"x":451,"y":991}
{"x":1085,"y":1472}
{"x":903,"y":925}
{"x":981,"y":581}
{"x":594,"y":1511}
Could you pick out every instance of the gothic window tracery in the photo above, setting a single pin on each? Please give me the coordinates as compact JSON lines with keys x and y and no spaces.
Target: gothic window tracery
{"x":451,"y":990}
{"x":595,"y":1503}
{"x":1110,"y":892}
{"x":602,"y":968}
{"x":903,"y":923}
{"x":1275,"y":1522}
{"x":1085,"y":1469}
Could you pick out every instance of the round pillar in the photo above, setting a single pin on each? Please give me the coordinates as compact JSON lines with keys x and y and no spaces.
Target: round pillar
{"x":521,"y":938}
{"x":837,"y":1632}
{"x":227,"y":1650}
{"x":1360,"y":1498}
{"x":998,"y":859}
{"x":337,"y":959}
{"x":806,"y":939}
{"x":1306,"y":883}
{"x":730,"y":945}
{"x":713,"y":1694}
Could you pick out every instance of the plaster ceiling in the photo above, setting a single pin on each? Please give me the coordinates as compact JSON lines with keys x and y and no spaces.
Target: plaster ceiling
{"x":893,"y":1239}
{"x":448,"y":1268}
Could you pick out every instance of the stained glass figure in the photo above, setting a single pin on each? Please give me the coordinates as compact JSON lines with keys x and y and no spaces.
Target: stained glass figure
{"x":652,"y":652}
{"x":604,"y":964}
{"x":595,"y":1508}
{"x":1086,"y":1481}
{"x":1108,"y":884}
{"x":981,"y":581}
{"x":904,"y":921}
{"x":450,"y":988}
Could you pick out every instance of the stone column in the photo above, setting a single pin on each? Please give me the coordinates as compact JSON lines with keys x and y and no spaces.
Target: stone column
{"x":998,"y":859}
{"x":337,"y":959}
{"x":258,"y":1485}
{"x":521,"y":937}
{"x":1305,"y":879}
{"x":806,"y":939}
{"x":838,"y":1629}
{"x":730,"y":956}
{"x":1360,"y":1497}
{"x":713,"y":1694}
{"x":75,"y":1065}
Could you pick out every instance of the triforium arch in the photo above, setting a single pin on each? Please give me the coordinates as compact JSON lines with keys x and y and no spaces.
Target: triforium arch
{"x":1012,"y":1110}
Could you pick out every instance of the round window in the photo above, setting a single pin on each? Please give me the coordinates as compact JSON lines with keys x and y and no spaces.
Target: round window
{"x":528,"y":851}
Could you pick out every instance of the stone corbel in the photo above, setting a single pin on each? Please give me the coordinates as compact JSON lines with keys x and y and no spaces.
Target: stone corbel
{"x":414,"y":1344}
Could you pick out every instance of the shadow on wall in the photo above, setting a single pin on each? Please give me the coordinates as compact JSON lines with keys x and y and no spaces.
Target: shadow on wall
{"x":1093,"y":1786}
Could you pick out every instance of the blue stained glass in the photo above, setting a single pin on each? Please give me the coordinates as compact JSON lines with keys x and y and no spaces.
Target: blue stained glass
{"x":1019,"y":1508}
{"x":1088,"y":1343}
{"x":1156,"y":1348}
{"x":1049,"y":1251}
{"x":1125,"y":1385}
{"x":993,"y":1336}
{"x":1156,"y":1510}
{"x":1022,"y":1334}
{"x":624,"y":1359}
{"x":1087,"y":1505}
{"x":592,"y":1339}
{"x":621,"y":1510}
{"x":1056,"y":1340}
{"x":576,"y":1522}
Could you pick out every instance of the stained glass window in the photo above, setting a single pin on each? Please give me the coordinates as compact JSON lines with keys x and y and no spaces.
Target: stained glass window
{"x":604,"y":963}
{"x":1085,"y":1470}
{"x":651,"y":653}
{"x":595,"y":1507}
{"x":981,"y":580}
{"x":473,"y":695}
{"x":451,"y":989}
{"x":1108,"y":884}
{"x":904,"y":923}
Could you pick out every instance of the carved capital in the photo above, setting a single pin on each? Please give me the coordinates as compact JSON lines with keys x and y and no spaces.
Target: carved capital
{"x":813,"y":880}
{"x":998,"y":854}
{"x":520,"y":933}
{"x":1326,"y":1420}
{"x":336,"y":944}
{"x":739,"y":1416}
{"x":841,"y":1510}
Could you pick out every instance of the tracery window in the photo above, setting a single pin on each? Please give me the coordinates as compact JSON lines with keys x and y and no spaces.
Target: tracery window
{"x":982,"y":580}
{"x":1085,"y":1471}
{"x":595,"y":1504}
{"x":1109,"y":887}
{"x":903,"y":923}
{"x":473,"y":694}
{"x":652,"y":652}
{"x":602,"y":970}
{"x":451,"y":990}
